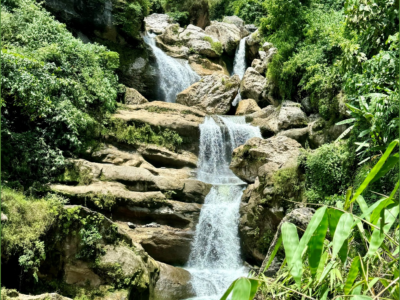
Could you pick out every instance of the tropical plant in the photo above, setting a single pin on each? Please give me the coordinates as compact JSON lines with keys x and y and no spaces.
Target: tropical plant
{"x":340,"y":254}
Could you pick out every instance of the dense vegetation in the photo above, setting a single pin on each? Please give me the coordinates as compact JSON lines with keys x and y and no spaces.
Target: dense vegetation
{"x":56,"y":92}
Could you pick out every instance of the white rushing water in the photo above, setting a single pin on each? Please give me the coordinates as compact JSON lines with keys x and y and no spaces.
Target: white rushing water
{"x":174,"y":75}
{"x":239,"y":66}
{"x":215,"y":259}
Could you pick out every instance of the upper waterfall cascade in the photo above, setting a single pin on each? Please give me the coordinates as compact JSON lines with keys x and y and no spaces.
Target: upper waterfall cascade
{"x":239,"y":66}
{"x":215,"y":259}
{"x":174,"y":75}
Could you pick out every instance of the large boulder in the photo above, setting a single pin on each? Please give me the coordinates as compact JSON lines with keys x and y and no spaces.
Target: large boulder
{"x":247,"y":106}
{"x":272,"y":120}
{"x":157,"y":23}
{"x":261,"y":64}
{"x":173,"y":284}
{"x":162,"y":242}
{"x":213,"y":94}
{"x":178,"y":42}
{"x":263,"y":157}
{"x":253,"y":43}
{"x":204,"y":66}
{"x":253,"y":86}
{"x":235,"y":20}
{"x":228,"y":34}
{"x":133,"y":97}
{"x":271,"y":166}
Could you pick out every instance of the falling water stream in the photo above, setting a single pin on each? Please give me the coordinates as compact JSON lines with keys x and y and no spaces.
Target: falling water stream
{"x":174,"y":75}
{"x":215,"y":259}
{"x":239,"y":66}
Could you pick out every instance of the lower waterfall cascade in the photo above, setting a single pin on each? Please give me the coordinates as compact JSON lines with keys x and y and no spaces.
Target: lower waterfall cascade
{"x":175,"y":75}
{"x":215,"y":259}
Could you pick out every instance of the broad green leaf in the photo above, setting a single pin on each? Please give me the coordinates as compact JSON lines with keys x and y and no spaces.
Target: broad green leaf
{"x":297,"y":269}
{"x":352,"y":275}
{"x":378,"y":236}
{"x":229,"y":290}
{"x":271,"y":258}
{"x":326,"y":271}
{"x":389,"y":164}
{"x":386,"y":202}
{"x":324,"y":290}
{"x":342,"y":233}
{"x":334,"y":216}
{"x":254,"y":287}
{"x":363,"y":205}
{"x":242,"y":289}
{"x":375,"y":169}
{"x":368,"y":212}
{"x":348,"y":197}
{"x":316,"y":245}
{"x":290,"y":240}
{"x":321,"y":266}
{"x":343,"y":251}
{"x":361,"y":297}
{"x":347,"y":121}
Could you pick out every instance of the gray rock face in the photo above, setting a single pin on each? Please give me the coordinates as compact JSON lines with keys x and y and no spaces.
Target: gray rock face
{"x":253,"y":44}
{"x":204,"y":66}
{"x":163,"y":243}
{"x":157,"y":23}
{"x":250,"y":27}
{"x":213,"y":94}
{"x":259,"y":157}
{"x":178,"y":42}
{"x":133,"y":97}
{"x":234,"y":20}
{"x":253,"y":85}
{"x":259,"y":162}
{"x":247,"y":106}
{"x":272,"y":120}
{"x":261,"y":65}
{"x":4,"y":218}
{"x":173,"y":284}
{"x":228,"y":34}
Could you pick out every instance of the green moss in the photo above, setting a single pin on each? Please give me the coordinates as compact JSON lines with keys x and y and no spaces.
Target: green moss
{"x":138,"y":134}
{"x":216,"y":46}
{"x":264,"y":242}
{"x":112,"y":272}
{"x":158,"y":109}
{"x":288,"y":183}
{"x":75,"y":173}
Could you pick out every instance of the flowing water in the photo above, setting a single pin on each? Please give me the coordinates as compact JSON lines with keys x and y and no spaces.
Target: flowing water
{"x":175,"y":75}
{"x":215,"y":259}
{"x":239,"y":66}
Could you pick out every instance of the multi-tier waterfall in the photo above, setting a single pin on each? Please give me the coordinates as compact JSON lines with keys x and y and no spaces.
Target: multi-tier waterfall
{"x":239,"y":65}
{"x":174,"y":75}
{"x":215,"y":259}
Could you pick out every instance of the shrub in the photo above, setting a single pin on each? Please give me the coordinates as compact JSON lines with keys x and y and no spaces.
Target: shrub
{"x":56,"y":92}
{"x":328,"y":171}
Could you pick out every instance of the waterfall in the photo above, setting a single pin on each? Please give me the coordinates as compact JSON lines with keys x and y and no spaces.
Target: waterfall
{"x":239,"y":65}
{"x":175,"y":75}
{"x":215,"y":260}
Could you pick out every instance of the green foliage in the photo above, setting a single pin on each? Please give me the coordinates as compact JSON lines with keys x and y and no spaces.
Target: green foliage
{"x":133,"y":134}
{"x":90,"y":243}
{"x":56,"y":92}
{"x":180,"y":17}
{"x":328,"y":171}
{"x":29,"y":219}
{"x":113,"y":272}
{"x":334,"y":270}
{"x":129,"y":15}
{"x":31,"y":258}
{"x":216,"y":46}
{"x":250,"y":11}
